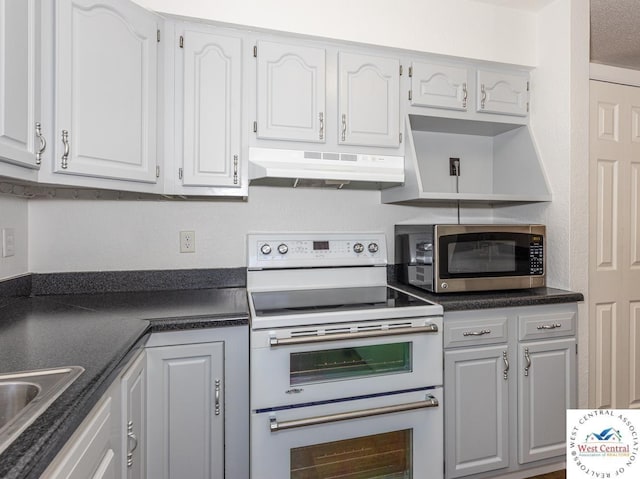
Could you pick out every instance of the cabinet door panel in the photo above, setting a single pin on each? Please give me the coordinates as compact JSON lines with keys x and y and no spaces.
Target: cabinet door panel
{"x":476,"y":410}
{"x":291,"y":92}
{"x":18,"y":81}
{"x":185,"y":434}
{"x":439,"y":86}
{"x":134,"y":401}
{"x":502,"y":93}
{"x":547,"y":388}
{"x":369,"y":100}
{"x":106,"y":84}
{"x":212,"y":109}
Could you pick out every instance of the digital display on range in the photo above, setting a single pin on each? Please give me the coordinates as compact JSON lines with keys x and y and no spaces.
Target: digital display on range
{"x":320,"y":245}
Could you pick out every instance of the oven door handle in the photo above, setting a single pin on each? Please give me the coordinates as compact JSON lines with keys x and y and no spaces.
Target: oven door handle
{"x":429,"y":328}
{"x":275,"y":426}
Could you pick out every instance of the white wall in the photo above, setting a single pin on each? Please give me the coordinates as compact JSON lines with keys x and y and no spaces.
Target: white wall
{"x":450,"y":27}
{"x":84,"y":235}
{"x":13,"y":214}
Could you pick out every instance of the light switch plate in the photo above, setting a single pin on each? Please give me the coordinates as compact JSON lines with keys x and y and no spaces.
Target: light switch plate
{"x":8,"y":242}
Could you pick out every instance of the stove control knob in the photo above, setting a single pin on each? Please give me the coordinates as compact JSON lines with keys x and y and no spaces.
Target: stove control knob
{"x":265,"y":249}
{"x":373,"y":247}
{"x":283,"y":248}
{"x":444,"y":285}
{"x":358,"y":248}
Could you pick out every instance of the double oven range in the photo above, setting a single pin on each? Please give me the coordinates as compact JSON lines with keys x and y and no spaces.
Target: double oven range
{"x":346,"y":371}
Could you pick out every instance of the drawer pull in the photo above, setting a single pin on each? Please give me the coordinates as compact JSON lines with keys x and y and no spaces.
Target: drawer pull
{"x":482,"y":332}
{"x":550,"y":326}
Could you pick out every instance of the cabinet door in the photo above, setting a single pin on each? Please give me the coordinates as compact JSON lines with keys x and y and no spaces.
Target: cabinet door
{"x":134,"y":407}
{"x":185,"y":411}
{"x":212,"y":89}
{"x":476,"y":411}
{"x":502,"y":93}
{"x":290,"y":92}
{"x":369,"y":100}
{"x":19,"y":82}
{"x":546,"y":389}
{"x":105,"y":90}
{"x":439,"y":86}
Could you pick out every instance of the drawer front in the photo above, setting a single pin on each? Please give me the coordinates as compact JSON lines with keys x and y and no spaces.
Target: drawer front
{"x":542,"y":326}
{"x":466,"y":333}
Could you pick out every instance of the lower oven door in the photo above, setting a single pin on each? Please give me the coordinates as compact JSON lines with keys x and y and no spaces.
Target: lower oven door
{"x":291,"y":368}
{"x":391,"y":436}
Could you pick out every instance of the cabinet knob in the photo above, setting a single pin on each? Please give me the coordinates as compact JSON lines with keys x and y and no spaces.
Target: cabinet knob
{"x":505,"y":373}
{"x":527,"y":358}
{"x":344,"y":127}
{"x":43,"y":143}
{"x":321,"y":132}
{"x":131,"y":437}
{"x":65,"y":155}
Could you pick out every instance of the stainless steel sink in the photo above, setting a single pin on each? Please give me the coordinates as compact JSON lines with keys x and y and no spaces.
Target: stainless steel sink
{"x":27,"y":394}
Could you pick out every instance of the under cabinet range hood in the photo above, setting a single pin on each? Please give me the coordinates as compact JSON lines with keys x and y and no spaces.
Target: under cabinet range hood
{"x":298,"y":168}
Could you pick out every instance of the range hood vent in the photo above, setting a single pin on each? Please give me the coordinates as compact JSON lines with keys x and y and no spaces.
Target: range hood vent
{"x":299,"y":168}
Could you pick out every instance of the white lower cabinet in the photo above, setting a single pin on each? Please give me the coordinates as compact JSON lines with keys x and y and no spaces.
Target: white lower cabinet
{"x":509,"y":377}
{"x":95,"y":450}
{"x":185,"y":411}
{"x":198,"y":404}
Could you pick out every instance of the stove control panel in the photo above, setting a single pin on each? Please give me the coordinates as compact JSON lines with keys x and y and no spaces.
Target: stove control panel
{"x":302,"y":250}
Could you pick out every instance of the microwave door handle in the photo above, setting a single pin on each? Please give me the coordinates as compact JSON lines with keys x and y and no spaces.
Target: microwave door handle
{"x":274,"y":342}
{"x":275,"y":426}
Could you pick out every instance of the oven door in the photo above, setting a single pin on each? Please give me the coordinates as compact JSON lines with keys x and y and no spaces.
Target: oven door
{"x":302,"y":365}
{"x":391,"y":436}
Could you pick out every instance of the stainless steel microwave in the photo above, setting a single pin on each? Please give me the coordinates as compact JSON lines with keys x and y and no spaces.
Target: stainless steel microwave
{"x":454,"y":258}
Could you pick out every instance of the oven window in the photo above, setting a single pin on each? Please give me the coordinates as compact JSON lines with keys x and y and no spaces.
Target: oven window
{"x":348,"y":363}
{"x":385,"y":455}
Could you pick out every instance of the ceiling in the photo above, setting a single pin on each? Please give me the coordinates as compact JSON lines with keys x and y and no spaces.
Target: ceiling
{"x":615,"y":28}
{"x":615,"y":33}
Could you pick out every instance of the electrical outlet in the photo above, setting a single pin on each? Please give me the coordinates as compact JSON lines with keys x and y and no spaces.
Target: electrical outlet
{"x":454,"y":166}
{"x":187,"y":241}
{"x":8,"y":242}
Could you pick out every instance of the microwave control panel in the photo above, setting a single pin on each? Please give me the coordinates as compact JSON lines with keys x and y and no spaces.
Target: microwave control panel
{"x":536,"y":255}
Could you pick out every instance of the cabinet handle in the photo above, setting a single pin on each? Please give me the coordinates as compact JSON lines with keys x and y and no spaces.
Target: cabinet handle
{"x":550,"y":326}
{"x":235,"y":169}
{"x":528,"y":360}
{"x":131,"y":437}
{"x":321,"y":118}
{"x":482,"y":332}
{"x":483,"y":98}
{"x":217,"y":396}
{"x":43,"y":143}
{"x":505,"y":373}
{"x":65,"y":155}
{"x":465,"y":95}
{"x":344,"y":127}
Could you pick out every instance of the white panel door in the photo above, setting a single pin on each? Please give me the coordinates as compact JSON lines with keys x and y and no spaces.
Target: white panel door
{"x":546,"y":389}
{"x":291,"y":92}
{"x":614,"y":249}
{"x":502,"y":93}
{"x":476,"y":411}
{"x":19,"y":82}
{"x":212,"y":89}
{"x":369,"y":100}
{"x":105,"y":90}
{"x":439,"y":86}
{"x":185,"y":411}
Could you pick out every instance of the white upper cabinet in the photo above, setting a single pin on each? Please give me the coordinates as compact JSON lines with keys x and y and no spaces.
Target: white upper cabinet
{"x":290,"y":92}
{"x":19,"y":83}
{"x":502,"y":93}
{"x":368,"y":100}
{"x":439,"y":86}
{"x":210,"y":89}
{"x":106,"y":90}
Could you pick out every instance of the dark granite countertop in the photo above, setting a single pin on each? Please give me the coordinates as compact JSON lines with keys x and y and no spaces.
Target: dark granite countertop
{"x":495,"y":299}
{"x":101,"y":333}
